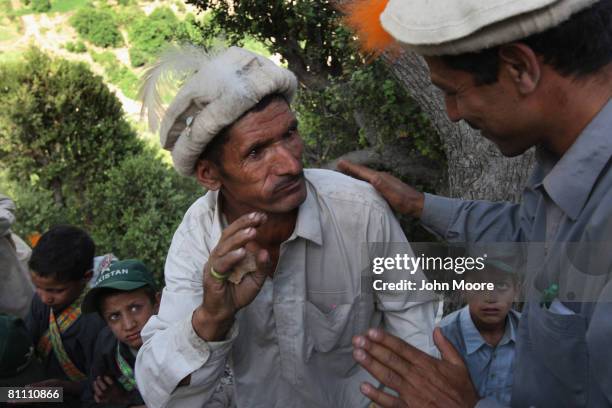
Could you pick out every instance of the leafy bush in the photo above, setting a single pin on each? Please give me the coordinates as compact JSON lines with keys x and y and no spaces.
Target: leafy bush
{"x":40,"y":6}
{"x":190,"y":31}
{"x":149,"y":35}
{"x":126,"y":15}
{"x":143,"y":201}
{"x":61,"y":124}
{"x":118,"y":73}
{"x":67,"y":155}
{"x":98,"y":26}
{"x":77,"y":47}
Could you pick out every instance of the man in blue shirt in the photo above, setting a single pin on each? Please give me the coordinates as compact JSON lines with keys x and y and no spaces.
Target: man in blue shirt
{"x":527,"y":74}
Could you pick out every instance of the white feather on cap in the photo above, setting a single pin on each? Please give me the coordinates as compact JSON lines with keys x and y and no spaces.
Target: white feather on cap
{"x":172,"y":64}
{"x":218,"y":89}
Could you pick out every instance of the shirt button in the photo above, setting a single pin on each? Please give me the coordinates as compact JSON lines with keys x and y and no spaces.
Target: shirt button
{"x":493,"y":375}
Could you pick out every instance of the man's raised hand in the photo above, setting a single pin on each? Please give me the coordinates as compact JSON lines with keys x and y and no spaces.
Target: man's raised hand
{"x":223,"y":299}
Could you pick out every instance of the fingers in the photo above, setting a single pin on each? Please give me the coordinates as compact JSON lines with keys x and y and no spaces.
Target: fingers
{"x":407,"y":352}
{"x":254,"y":219}
{"x":223,"y":265}
{"x":447,"y":350}
{"x":384,"y":374}
{"x":356,"y":170}
{"x":387,"y":357}
{"x":263,"y":262}
{"x":381,"y":398}
{"x":414,"y":366}
{"x":230,"y":249}
{"x":230,"y":243}
{"x":98,"y":391}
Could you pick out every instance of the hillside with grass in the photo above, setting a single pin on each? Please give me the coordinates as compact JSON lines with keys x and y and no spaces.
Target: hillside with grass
{"x":116,"y":38}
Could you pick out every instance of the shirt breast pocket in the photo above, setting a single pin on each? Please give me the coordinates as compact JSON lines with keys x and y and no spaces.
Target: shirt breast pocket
{"x":331,"y":329}
{"x":332,"y":325}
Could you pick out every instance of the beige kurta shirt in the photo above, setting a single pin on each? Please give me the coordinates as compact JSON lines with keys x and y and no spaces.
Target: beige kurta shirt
{"x":291,"y":347}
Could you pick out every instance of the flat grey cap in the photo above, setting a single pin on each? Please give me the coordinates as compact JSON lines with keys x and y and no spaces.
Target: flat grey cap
{"x":450,"y":27}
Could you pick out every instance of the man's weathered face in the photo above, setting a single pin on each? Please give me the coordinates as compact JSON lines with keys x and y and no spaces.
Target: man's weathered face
{"x":494,"y":109}
{"x":262,"y":161}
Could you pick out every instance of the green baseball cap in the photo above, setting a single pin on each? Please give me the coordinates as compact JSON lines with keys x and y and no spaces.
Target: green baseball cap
{"x":16,"y":350}
{"x":127,"y":275}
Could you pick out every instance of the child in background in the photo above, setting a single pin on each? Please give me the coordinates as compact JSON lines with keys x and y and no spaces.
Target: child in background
{"x":61,"y":267}
{"x":125,"y":296}
{"x":484,"y":331}
{"x":18,"y":365}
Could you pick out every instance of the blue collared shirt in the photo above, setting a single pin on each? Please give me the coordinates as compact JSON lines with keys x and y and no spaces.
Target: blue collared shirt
{"x":490,"y":367}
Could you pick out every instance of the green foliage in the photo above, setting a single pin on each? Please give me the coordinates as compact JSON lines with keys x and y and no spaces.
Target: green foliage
{"x":98,"y":26}
{"x":126,"y":15}
{"x":366,"y":101}
{"x":304,"y":30}
{"x":149,"y":35}
{"x":60,"y":123}
{"x":118,"y":73}
{"x":190,"y":31}
{"x":64,"y":6}
{"x":40,"y":6}
{"x":146,"y":201}
{"x":76,"y":47}
{"x":70,"y":157}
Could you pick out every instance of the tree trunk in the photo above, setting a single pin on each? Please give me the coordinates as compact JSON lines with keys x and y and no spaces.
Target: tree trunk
{"x":476,"y":168}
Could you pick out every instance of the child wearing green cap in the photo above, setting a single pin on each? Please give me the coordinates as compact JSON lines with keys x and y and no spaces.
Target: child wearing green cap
{"x":125,"y":296}
{"x":61,"y":267}
{"x":484,"y":331}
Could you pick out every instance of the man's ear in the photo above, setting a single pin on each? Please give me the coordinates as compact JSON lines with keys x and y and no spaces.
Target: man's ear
{"x":88,"y":275}
{"x":208,"y":175}
{"x":521,"y":64}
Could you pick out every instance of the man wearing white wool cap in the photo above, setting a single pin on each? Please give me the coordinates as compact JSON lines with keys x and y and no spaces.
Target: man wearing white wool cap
{"x":526,"y":73}
{"x":266,"y":269}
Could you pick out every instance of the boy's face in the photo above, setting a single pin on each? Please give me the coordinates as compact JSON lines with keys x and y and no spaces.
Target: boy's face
{"x":126,"y":314}
{"x":491,"y":307}
{"x":58,"y":294}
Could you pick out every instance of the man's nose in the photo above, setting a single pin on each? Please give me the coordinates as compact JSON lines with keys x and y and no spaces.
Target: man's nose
{"x":287,"y":162}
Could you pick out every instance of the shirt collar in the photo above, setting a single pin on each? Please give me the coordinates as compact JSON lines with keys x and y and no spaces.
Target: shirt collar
{"x":471,"y":335}
{"x":307,"y":226}
{"x":571,"y":179}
